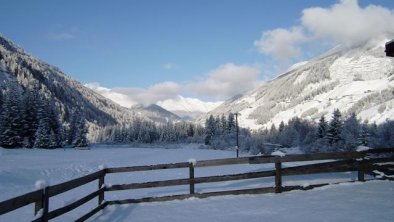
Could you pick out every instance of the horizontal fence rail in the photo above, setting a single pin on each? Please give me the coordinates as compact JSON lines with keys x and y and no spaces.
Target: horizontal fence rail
{"x":363,"y":162}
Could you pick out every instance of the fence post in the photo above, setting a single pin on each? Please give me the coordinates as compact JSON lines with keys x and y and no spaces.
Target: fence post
{"x":191,"y":178}
{"x":278,"y":176}
{"x":100,"y":185}
{"x":39,"y":204}
{"x":361,"y":169}
{"x":43,"y":204}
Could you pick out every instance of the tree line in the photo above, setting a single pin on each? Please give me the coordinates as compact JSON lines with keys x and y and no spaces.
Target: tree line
{"x":146,"y":131}
{"x":336,"y":134}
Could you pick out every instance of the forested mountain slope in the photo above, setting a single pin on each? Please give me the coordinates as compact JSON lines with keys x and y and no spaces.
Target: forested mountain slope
{"x":356,"y":79}
{"x":25,"y":74}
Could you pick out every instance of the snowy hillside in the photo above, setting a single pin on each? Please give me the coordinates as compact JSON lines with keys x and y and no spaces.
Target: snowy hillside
{"x":23,"y":69}
{"x":358,"y":79}
{"x":188,"y":107}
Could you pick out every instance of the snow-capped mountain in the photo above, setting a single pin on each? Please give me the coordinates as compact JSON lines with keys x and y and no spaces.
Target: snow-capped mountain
{"x":188,"y":108}
{"x":353,"y":79}
{"x":116,"y":97}
{"x":23,"y":69}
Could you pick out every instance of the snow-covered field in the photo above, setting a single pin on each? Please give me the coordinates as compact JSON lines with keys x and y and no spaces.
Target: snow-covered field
{"x":20,"y":169}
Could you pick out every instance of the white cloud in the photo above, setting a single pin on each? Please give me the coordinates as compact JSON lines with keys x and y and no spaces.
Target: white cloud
{"x":152,"y":94}
{"x":119,"y":98}
{"x":128,"y":97}
{"x":348,"y":23}
{"x":221,"y":83}
{"x":225,"y":81}
{"x":342,"y":23}
{"x":281,"y":43}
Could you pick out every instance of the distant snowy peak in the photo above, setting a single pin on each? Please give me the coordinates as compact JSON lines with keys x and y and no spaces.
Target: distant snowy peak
{"x":116,"y":97}
{"x":188,"y":106}
{"x":353,"y":79}
{"x":152,"y":112}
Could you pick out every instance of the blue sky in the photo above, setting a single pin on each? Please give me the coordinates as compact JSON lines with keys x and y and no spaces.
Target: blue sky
{"x":136,"y":46}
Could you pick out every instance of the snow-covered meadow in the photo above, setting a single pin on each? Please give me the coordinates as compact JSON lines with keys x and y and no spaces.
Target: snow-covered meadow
{"x":21,"y":169}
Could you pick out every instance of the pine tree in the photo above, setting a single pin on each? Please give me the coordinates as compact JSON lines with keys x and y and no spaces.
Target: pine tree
{"x":30,"y":120}
{"x":57,"y":132}
{"x":231,"y":123}
{"x":43,"y":134}
{"x":11,"y":119}
{"x":281,"y":126}
{"x":273,"y":134}
{"x":386,"y":134}
{"x":80,"y":139}
{"x":223,"y":123}
{"x":364,"y":136}
{"x":350,"y":132}
{"x":49,"y":133}
{"x":322,"y":128}
{"x":210,"y":130}
{"x":72,"y":127}
{"x":335,"y":128}
{"x":190,"y":130}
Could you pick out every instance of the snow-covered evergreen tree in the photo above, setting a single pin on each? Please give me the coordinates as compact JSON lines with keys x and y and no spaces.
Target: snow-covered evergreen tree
{"x":364,"y":135}
{"x":43,"y":134}
{"x":281,"y":126}
{"x":11,"y":119}
{"x":57,"y":132}
{"x":79,"y":139}
{"x":190,"y":130}
{"x":210,"y":130}
{"x":321,"y":128}
{"x":231,"y":123}
{"x":386,"y":135}
{"x":335,"y":128}
{"x":350,"y":132}
{"x":30,"y":120}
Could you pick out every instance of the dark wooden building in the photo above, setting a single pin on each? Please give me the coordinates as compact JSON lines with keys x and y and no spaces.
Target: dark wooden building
{"x":390,"y":48}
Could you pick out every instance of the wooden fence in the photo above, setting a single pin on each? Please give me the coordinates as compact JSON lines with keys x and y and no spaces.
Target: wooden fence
{"x":363,"y":162}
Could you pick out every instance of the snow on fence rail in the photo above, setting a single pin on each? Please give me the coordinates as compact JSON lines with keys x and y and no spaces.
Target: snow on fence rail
{"x":344,"y":161}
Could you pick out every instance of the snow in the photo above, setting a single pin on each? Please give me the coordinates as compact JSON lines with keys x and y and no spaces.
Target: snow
{"x":381,"y":174}
{"x":361,"y":202}
{"x":296,"y":65}
{"x":39,"y":214}
{"x":41,"y":184}
{"x":363,"y":148}
{"x":278,"y":153}
{"x":102,"y":167}
{"x":181,"y":103}
{"x":20,"y":169}
{"x":192,"y":161}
